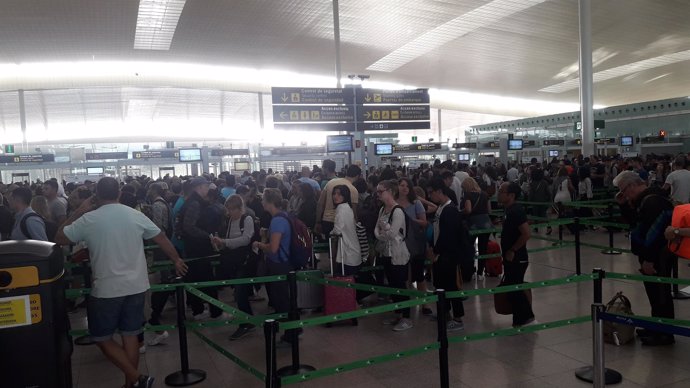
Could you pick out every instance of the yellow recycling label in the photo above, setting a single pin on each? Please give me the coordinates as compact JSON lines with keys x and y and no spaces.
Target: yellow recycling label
{"x":20,"y":311}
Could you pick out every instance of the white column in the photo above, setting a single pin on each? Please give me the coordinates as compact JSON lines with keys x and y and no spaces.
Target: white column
{"x":586,"y":78}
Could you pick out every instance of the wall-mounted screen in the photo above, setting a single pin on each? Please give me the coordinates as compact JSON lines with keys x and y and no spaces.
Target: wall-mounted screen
{"x":242,"y":166}
{"x":384,"y":149}
{"x":627,"y":141}
{"x":515,"y":144}
{"x":553,"y":153}
{"x":94,"y":170}
{"x":190,"y":155}
{"x":464,"y":157}
{"x":339,"y":143}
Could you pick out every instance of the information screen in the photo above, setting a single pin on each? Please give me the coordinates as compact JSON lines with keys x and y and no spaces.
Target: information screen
{"x":190,"y":155}
{"x":339,"y":143}
{"x":242,"y":166}
{"x":553,"y":153}
{"x":384,"y":149}
{"x":627,"y":141}
{"x":463,"y":157}
{"x":94,"y":170}
{"x":515,"y":144}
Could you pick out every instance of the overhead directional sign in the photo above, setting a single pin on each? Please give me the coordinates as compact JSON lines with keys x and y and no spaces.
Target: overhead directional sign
{"x":464,"y":145}
{"x":379,"y":96}
{"x":312,"y":95}
{"x":374,"y":126}
{"x":313,"y":113}
{"x":393,"y":112}
{"x":27,"y":158}
{"x":162,"y":154}
{"x":106,"y":155}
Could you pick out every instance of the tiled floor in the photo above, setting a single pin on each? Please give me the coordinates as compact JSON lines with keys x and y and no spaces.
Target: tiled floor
{"x":543,"y":359}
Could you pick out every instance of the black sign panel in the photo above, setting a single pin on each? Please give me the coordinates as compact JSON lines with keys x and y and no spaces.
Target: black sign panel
{"x":554,"y":142}
{"x":492,"y":144}
{"x":229,"y":151}
{"x":605,"y":140}
{"x":529,"y":143}
{"x":298,"y":150}
{"x":464,"y":145}
{"x":417,"y":147}
{"x":316,"y":126}
{"x":28,"y":158}
{"x":393,"y":113}
{"x":576,"y":142}
{"x":162,"y":154}
{"x":394,"y":125}
{"x":379,"y":96}
{"x":106,"y":155}
{"x":312,"y":95}
{"x":314,"y":113}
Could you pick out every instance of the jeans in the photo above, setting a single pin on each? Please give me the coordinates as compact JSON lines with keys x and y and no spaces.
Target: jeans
{"x":397,"y":278}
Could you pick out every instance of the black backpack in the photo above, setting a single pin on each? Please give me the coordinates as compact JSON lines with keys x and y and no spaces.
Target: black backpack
{"x":368,"y":213}
{"x":51,"y":227}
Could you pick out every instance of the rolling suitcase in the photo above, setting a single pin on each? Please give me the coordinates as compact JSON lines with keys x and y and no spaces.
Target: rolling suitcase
{"x":339,"y":299}
{"x":494,"y":265}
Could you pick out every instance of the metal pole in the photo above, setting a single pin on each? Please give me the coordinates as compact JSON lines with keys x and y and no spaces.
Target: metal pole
{"x":293,"y":334}
{"x":598,"y":285}
{"x":440,"y":126}
{"x":598,"y":346}
{"x":578,"y":269}
{"x":336,"y":39}
{"x":586,"y":77}
{"x":441,"y":311}
{"x":270,"y":330}
{"x":22,"y":120}
{"x":611,"y":250}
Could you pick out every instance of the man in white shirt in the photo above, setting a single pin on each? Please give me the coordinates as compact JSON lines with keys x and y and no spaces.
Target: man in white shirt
{"x":679,"y":182}
{"x":512,"y":173}
{"x":114,"y":234}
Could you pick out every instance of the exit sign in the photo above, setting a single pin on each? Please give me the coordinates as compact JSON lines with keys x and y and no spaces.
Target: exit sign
{"x":9,"y":149}
{"x":414,"y":139}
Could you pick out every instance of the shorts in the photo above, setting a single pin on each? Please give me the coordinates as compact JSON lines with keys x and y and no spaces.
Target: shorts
{"x":417,"y":267}
{"x":108,"y":315}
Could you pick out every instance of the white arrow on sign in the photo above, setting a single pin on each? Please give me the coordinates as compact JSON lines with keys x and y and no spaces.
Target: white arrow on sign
{"x":367,"y":115}
{"x":367,"y":98}
{"x":284,"y":98}
{"x":283,"y":115}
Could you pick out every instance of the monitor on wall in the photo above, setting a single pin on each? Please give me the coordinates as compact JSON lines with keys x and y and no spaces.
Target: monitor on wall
{"x":339,"y":143}
{"x":515,"y":144}
{"x":627,"y":141}
{"x":384,"y":149}
{"x":553,"y":153}
{"x":94,"y":171}
{"x":465,"y":157}
{"x":190,"y":155}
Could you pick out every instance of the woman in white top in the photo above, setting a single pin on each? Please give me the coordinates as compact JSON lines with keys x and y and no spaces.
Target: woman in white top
{"x":348,"y":250}
{"x":390,"y":233}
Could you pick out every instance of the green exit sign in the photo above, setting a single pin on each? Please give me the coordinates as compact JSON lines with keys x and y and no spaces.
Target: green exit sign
{"x":414,"y":139}
{"x":9,"y":149}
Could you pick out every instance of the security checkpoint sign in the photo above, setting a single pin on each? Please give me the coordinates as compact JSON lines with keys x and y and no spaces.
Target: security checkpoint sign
{"x":15,"y":311}
{"x":313,"y":113}
{"x":393,"y":112}
{"x":312,"y":95}
{"x":380,"y":96}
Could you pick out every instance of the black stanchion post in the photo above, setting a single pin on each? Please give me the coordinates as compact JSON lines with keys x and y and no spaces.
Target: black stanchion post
{"x":270,"y":331}
{"x":598,"y":373}
{"x":677,"y":293}
{"x":441,"y":314}
{"x":293,"y":334}
{"x":610,"y":250}
{"x":560,"y":236}
{"x":184,"y":376}
{"x":578,"y":269}
{"x":85,"y":339}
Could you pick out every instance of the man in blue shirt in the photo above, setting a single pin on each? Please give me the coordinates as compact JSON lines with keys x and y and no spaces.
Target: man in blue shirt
{"x":306,"y":178}
{"x":28,"y":225}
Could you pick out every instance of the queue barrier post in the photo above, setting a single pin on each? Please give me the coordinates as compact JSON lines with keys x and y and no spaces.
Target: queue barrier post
{"x":270,"y":331}
{"x":293,"y":334}
{"x":185,"y":376}
{"x":578,"y":269}
{"x":441,"y":321}
{"x":85,"y":340}
{"x":611,"y":250}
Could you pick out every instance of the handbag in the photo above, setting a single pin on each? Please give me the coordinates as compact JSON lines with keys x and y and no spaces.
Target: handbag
{"x":502,"y":304}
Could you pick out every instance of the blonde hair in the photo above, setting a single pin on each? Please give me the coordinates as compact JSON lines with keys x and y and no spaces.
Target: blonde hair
{"x":470,"y":185}
{"x":234,"y":201}
{"x":40,"y":205}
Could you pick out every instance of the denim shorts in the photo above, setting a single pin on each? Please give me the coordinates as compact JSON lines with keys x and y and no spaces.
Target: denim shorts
{"x":107,"y":315}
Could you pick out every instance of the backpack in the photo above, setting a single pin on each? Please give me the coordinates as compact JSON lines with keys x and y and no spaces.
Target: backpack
{"x":367,"y":213}
{"x":301,"y":243}
{"x":169,"y":225}
{"x":257,"y":233}
{"x":616,"y":333}
{"x":51,"y":227}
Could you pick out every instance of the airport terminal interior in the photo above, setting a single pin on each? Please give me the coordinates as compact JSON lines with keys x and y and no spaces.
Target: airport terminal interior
{"x":246,"y":99}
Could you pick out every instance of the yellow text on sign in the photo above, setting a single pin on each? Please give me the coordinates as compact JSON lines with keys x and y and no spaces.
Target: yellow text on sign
{"x":15,"y":311}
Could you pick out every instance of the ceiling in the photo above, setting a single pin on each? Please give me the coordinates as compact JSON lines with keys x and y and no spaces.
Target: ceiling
{"x":511,"y":48}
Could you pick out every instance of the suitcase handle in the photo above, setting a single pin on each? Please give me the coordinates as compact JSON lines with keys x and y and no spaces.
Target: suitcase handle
{"x":334,"y":259}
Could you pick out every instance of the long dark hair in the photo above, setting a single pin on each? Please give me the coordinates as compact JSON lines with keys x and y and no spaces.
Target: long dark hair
{"x":345,"y":192}
{"x":411,"y":195}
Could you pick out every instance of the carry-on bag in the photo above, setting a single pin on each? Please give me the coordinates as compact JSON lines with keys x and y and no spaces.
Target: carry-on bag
{"x":339,"y":299}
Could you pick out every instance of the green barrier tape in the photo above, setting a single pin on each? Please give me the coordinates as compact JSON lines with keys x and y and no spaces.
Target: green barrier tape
{"x":519,"y":330}
{"x":256,"y":319}
{"x":524,"y":286}
{"x":645,"y":278}
{"x":475,"y":232}
{"x":231,"y":356}
{"x":82,"y":332}
{"x":356,"y":314}
{"x":237,"y":314}
{"x":358,"y":364}
{"x":605,"y":223}
{"x":602,"y":247}
{"x":363,"y":287}
{"x":321,"y":248}
{"x":565,"y":244}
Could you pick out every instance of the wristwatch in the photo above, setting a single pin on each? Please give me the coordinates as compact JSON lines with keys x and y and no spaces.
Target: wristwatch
{"x":676,"y":231}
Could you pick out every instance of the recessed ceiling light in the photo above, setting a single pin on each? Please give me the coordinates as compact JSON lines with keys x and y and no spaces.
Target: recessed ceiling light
{"x":485,"y":15}
{"x":156,"y":23}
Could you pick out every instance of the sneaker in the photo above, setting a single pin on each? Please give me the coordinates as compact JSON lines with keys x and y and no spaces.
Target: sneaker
{"x":202,"y":316}
{"x":427,"y":311}
{"x":403,"y":324}
{"x":144,"y":382}
{"x":454,"y":325}
{"x":391,"y":321}
{"x":241,"y":332}
{"x":158,"y":338}
{"x":142,"y":349}
{"x":480,"y":278}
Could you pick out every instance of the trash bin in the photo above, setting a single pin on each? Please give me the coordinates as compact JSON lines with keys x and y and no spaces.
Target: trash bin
{"x":35,"y":347}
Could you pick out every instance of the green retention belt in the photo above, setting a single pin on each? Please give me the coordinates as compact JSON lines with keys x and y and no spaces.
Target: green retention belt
{"x":604,"y":223}
{"x":524,"y":286}
{"x":519,"y":330}
{"x":237,"y":314}
{"x":645,"y":278}
{"x":584,"y":244}
{"x":565,"y":244}
{"x":383,"y":290}
{"x":358,"y":364}
{"x":357,"y":313}
{"x":231,"y":356}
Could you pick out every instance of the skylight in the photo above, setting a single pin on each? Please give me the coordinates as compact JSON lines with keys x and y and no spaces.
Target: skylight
{"x":156,"y":23}
{"x":485,"y":15}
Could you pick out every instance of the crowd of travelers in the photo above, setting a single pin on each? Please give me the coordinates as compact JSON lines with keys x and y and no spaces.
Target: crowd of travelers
{"x":416,"y":221}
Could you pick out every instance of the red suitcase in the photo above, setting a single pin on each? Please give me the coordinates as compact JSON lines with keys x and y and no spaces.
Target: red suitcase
{"x":494,"y":265}
{"x":339,"y":299}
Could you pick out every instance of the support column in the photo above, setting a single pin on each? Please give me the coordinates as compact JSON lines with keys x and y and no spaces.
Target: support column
{"x":586,"y":77}
{"x":336,"y":38}
{"x":22,"y":120}
{"x":440,"y":126}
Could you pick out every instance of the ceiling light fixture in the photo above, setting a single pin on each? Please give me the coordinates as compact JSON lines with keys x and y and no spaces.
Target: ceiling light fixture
{"x":630,"y":68}
{"x":485,"y":15}
{"x":156,"y":23}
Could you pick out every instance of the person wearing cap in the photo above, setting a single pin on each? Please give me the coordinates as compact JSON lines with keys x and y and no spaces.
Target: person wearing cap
{"x":195,"y":232}
{"x":650,"y":210}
